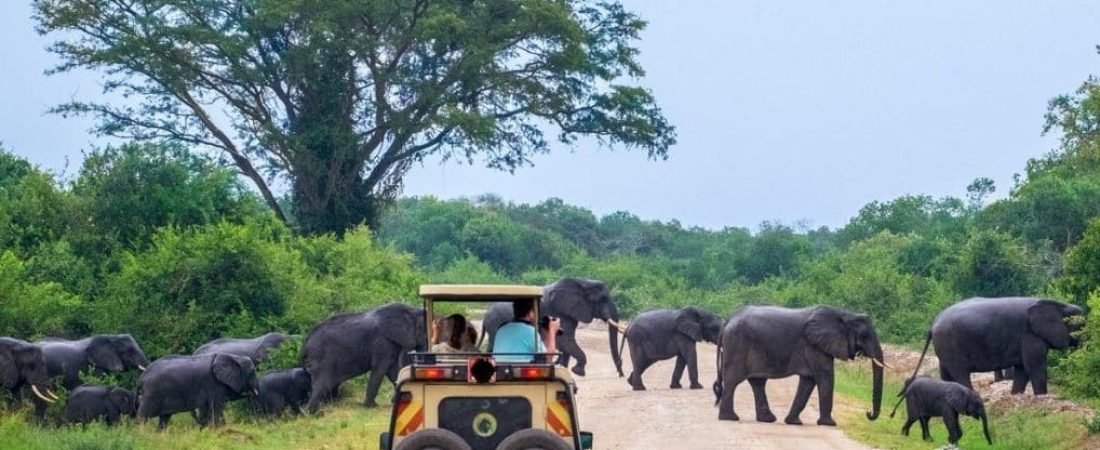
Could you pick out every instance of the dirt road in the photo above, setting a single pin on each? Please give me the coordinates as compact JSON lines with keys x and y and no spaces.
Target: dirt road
{"x":663,"y":418}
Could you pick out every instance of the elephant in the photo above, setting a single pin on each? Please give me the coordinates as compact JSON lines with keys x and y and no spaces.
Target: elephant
{"x":23,"y":365}
{"x":348,"y":345}
{"x":104,"y":353}
{"x":988,"y":334}
{"x":762,"y":342}
{"x":575,"y":301}
{"x":89,"y":403}
{"x":255,"y":348}
{"x":198,"y":382}
{"x":283,"y":389}
{"x":926,"y":397}
{"x":666,"y":333}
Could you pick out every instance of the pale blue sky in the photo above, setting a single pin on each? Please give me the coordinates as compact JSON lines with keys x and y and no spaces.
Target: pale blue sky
{"x":786,"y":110}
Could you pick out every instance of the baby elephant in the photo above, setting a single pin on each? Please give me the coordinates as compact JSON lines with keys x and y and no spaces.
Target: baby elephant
{"x":282,"y":389}
{"x":88,"y":403}
{"x":926,"y":397}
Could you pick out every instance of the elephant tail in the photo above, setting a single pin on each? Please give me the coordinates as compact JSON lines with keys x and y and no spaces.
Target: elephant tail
{"x":916,"y":370}
{"x":901,"y":396}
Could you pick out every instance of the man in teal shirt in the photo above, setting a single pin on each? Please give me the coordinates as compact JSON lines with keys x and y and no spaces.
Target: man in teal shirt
{"x":518,"y":336}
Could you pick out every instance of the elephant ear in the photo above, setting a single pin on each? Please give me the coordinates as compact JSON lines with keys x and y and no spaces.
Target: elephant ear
{"x":102,"y":354}
{"x":958,"y":398}
{"x":827,"y":331}
{"x":9,"y":373}
{"x":403,"y":326}
{"x":687,"y":322}
{"x":228,"y":371}
{"x":569,"y":297}
{"x":1045,"y":319}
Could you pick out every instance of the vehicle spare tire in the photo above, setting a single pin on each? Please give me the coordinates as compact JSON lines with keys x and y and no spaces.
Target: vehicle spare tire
{"x":433,"y":439}
{"x":534,"y":439}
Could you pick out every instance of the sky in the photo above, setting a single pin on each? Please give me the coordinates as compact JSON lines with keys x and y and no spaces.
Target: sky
{"x":792,"y":111}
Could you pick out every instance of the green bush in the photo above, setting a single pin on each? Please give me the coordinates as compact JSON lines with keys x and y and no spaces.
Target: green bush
{"x":198,"y":284}
{"x":1078,"y":370}
{"x":30,"y":309}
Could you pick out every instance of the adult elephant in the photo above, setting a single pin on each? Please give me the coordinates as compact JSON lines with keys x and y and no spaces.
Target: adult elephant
{"x":988,"y":334}
{"x":670,"y":333}
{"x":762,"y":342}
{"x":22,"y":365}
{"x":348,"y":345}
{"x":255,"y":348}
{"x":104,"y":353}
{"x":575,"y":301}
{"x":199,"y":382}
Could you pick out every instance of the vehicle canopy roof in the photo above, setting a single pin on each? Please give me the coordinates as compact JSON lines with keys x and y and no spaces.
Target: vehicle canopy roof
{"x":479,"y":292}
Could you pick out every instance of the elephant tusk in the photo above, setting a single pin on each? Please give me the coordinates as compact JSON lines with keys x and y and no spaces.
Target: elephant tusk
{"x":141,"y":367}
{"x":881,"y":364}
{"x":52,"y":395}
{"x":617,"y":325}
{"x":39,"y":394}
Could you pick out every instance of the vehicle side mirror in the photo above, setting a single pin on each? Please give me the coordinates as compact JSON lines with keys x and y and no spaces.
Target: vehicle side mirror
{"x":586,"y":440}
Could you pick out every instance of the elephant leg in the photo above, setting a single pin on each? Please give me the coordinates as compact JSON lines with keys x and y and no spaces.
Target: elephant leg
{"x":924,"y":434}
{"x":217,"y":412}
{"x":1035,"y":366}
{"x":908,"y":424}
{"x":956,"y":374}
{"x":320,"y":390}
{"x":373,"y":384}
{"x":801,"y":397}
{"x":688,"y":356}
{"x":640,"y":368}
{"x":725,"y":401}
{"x":678,"y":373}
{"x":951,"y":421}
{"x":163,"y":423}
{"x":760,"y":397}
{"x":1019,"y":380}
{"x":567,"y":345}
{"x":825,"y":399}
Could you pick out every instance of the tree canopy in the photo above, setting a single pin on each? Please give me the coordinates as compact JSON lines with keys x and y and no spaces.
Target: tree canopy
{"x":341,"y":98}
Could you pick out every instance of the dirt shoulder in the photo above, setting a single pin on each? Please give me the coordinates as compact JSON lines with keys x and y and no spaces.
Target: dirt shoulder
{"x":661,"y":417}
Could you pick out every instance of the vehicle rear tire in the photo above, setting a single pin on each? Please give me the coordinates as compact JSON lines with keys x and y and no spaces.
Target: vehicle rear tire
{"x":433,"y":439}
{"x":534,"y":439}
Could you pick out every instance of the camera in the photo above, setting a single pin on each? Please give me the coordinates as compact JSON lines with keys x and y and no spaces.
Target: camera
{"x":544,"y":323}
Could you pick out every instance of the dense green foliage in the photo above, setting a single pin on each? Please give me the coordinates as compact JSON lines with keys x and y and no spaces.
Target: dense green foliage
{"x":155,"y":241}
{"x":341,"y":98}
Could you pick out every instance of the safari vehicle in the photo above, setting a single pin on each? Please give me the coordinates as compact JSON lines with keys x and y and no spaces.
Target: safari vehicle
{"x":452,"y":401}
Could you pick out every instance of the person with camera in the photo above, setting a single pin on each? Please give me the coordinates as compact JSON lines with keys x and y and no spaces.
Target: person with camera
{"x":518,"y":336}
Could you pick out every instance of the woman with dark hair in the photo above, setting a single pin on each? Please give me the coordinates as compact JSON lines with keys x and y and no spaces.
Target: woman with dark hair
{"x":452,"y":335}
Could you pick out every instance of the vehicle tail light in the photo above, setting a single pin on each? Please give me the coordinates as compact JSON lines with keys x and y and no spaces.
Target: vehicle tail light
{"x":533,"y":372}
{"x":431,"y":373}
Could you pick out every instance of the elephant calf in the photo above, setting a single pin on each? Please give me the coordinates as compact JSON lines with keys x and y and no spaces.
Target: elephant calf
{"x":670,"y":333}
{"x":926,"y":397}
{"x":89,"y":403}
{"x":283,"y":389}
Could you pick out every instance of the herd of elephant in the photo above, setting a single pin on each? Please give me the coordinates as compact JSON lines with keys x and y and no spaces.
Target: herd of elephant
{"x":755,"y":344}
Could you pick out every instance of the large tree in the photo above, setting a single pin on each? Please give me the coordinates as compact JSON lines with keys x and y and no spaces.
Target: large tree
{"x":341,"y":97}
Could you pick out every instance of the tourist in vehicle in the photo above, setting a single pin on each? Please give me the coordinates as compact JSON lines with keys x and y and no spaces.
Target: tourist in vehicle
{"x":518,"y":336}
{"x":451,"y":334}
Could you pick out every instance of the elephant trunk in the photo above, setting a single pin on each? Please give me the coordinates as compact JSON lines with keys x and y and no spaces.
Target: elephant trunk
{"x":985,"y":428}
{"x":613,"y":338}
{"x":876,"y":381}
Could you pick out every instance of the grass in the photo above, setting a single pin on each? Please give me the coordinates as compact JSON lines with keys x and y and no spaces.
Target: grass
{"x":1018,"y":429}
{"x":345,"y":424}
